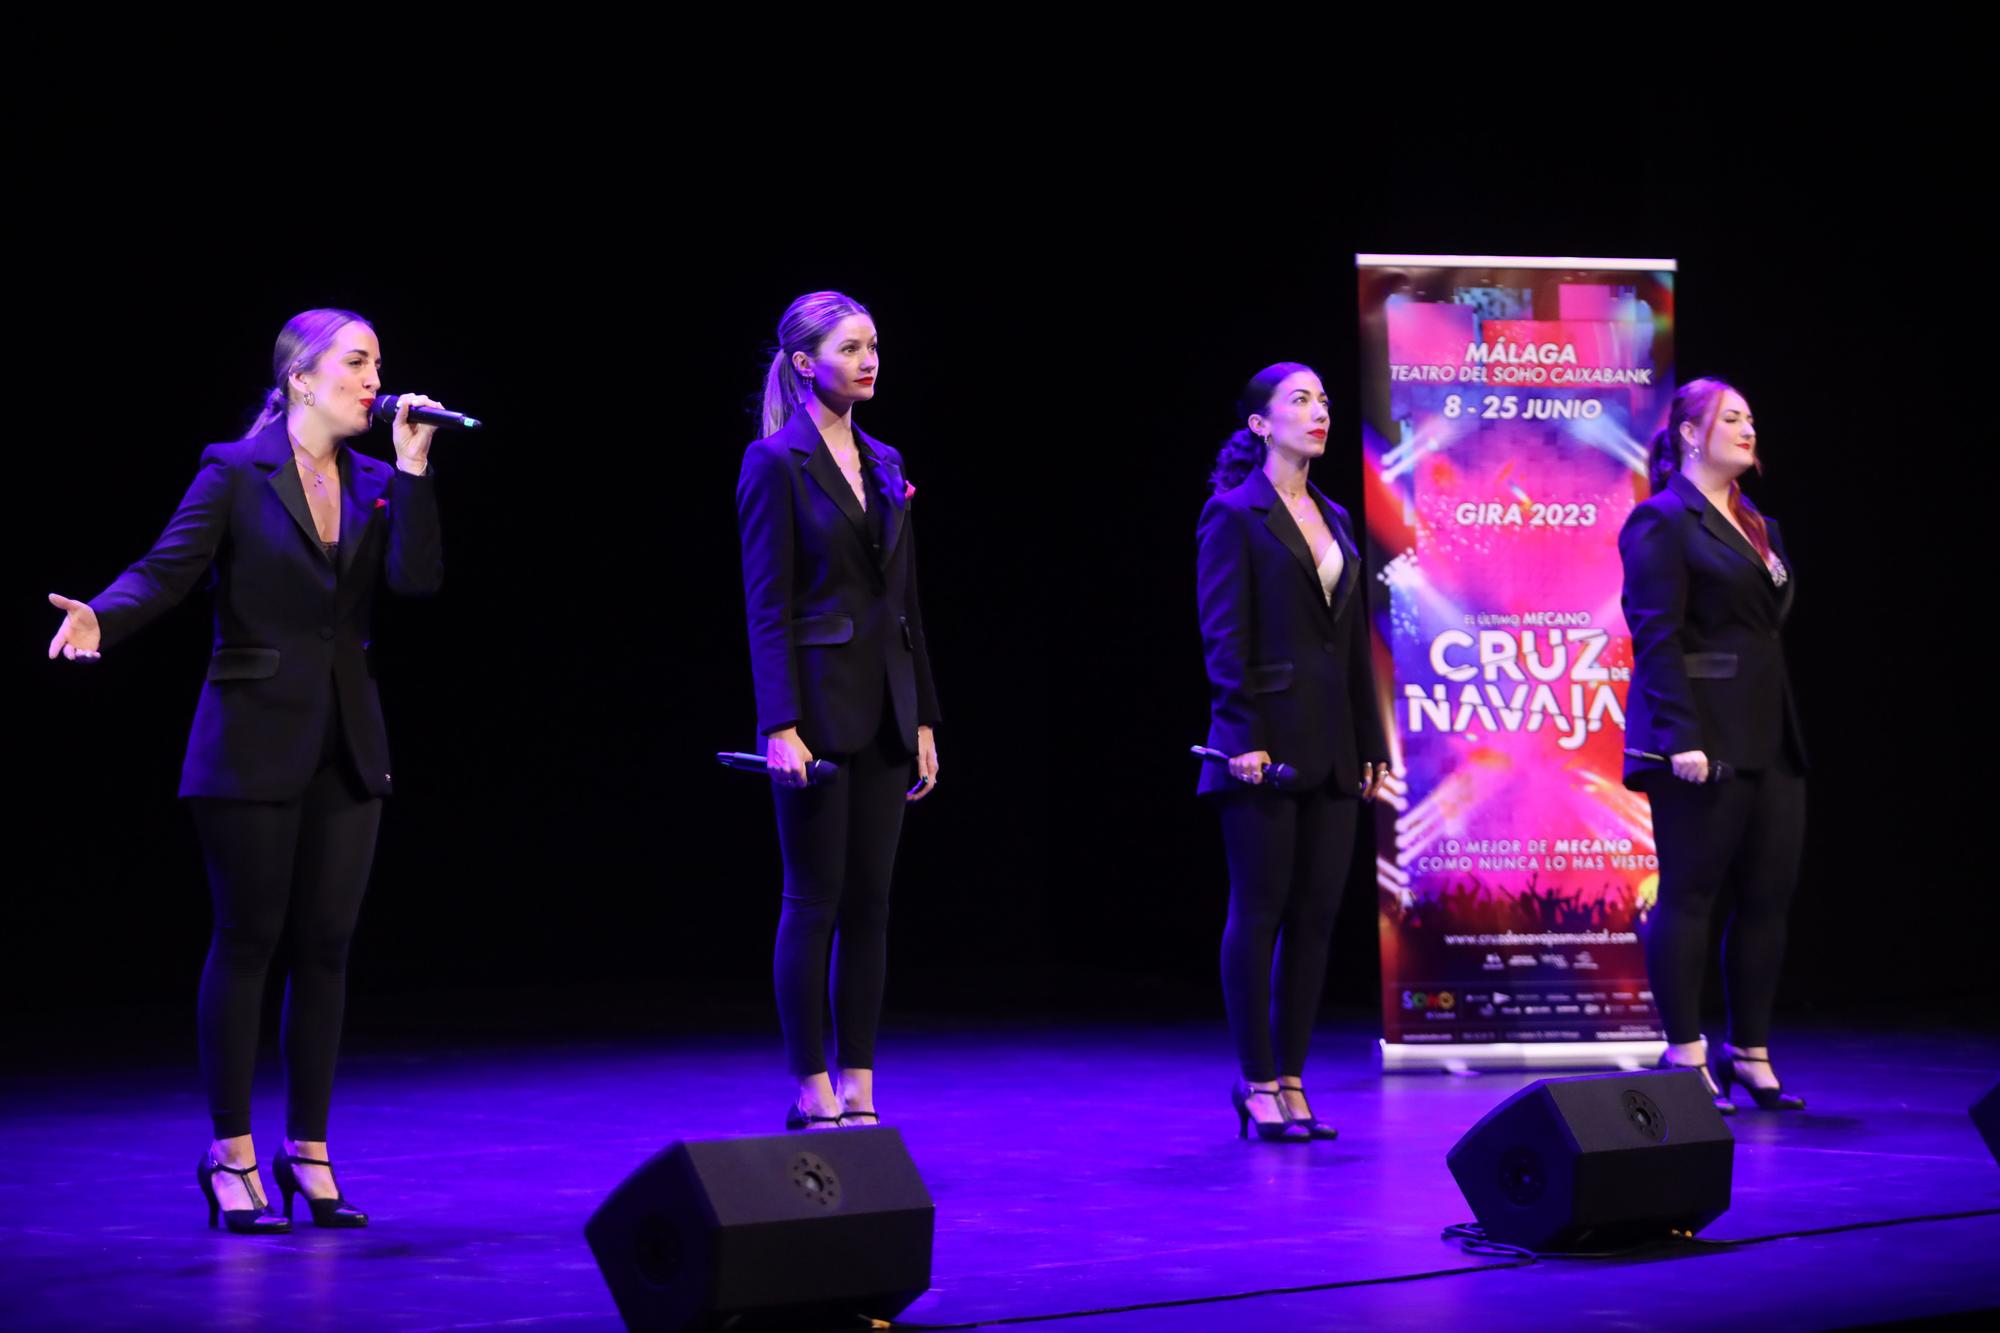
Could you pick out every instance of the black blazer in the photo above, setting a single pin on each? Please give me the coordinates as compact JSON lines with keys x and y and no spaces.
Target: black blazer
{"x":1286,"y":672}
{"x":831,"y":593}
{"x":290,"y":636}
{"x":1708,"y":666}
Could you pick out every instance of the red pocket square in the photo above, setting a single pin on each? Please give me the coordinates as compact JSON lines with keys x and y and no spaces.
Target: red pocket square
{"x":380,"y":503}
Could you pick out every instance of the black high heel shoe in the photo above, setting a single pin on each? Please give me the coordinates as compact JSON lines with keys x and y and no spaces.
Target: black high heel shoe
{"x":258,"y":1221}
{"x":1313,"y":1125}
{"x":846,"y":1116}
{"x":334,"y":1212}
{"x":1767,"y":1099}
{"x":796,"y":1119}
{"x":1270,"y":1131}
{"x":1721,"y":1098}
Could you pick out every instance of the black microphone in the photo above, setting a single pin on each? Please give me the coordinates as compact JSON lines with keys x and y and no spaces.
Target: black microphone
{"x":1717,"y":770}
{"x":818,"y":771}
{"x":384,"y":411}
{"x":1274,"y":773}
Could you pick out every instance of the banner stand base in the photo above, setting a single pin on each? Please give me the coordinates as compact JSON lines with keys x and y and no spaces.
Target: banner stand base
{"x":1426,"y":1058}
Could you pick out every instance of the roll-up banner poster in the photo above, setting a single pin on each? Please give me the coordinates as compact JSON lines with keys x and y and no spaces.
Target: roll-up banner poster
{"x":1506,"y":405}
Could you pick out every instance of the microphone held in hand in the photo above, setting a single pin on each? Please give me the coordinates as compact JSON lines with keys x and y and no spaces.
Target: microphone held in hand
{"x":384,"y":411}
{"x":819,"y":772}
{"x":1717,"y":770}
{"x":1279,"y":774}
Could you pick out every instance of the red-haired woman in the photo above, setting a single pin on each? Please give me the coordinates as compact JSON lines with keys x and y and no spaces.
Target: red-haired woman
{"x":1713,"y":732}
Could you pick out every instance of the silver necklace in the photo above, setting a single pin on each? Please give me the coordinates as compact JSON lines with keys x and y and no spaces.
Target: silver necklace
{"x":299,"y":457}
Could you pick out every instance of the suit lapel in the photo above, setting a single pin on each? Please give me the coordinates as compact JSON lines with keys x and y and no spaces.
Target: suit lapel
{"x":887,"y":481}
{"x":1791,"y":578}
{"x":1716,"y":525}
{"x":1264,"y":496}
{"x":1350,"y":558}
{"x":823,"y":470}
{"x":360,"y":487}
{"x":274,"y":451}
{"x":803,"y":437}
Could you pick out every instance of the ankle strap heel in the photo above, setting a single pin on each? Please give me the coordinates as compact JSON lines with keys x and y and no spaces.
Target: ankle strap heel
{"x":1270,"y":1131}
{"x":795,"y":1119}
{"x":1315,"y":1126}
{"x":257,"y":1221}
{"x":1719,"y":1095}
{"x":336,"y":1212}
{"x":1773,"y":1098}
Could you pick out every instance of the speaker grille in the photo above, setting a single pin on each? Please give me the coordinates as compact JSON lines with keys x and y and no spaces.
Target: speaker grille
{"x":1645,"y":1115}
{"x":817,"y":1181}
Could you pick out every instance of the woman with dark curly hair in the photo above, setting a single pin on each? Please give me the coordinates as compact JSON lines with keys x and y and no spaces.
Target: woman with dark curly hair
{"x":1290,"y":684}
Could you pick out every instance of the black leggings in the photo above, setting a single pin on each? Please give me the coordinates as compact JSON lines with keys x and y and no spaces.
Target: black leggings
{"x":1744,"y":835}
{"x":1288,"y":858}
{"x":281,"y":872}
{"x":839,"y":844}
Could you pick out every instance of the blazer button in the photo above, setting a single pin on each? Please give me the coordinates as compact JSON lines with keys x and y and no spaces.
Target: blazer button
{"x":1326,"y":647}
{"x":326,"y":631}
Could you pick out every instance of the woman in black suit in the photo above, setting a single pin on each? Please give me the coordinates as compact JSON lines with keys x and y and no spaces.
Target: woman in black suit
{"x":1285,"y":634}
{"x":288,"y":761}
{"x":1712,"y":731}
{"x":842,"y":673}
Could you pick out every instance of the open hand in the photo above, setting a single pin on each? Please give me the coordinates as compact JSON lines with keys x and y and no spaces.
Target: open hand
{"x":77,"y":637}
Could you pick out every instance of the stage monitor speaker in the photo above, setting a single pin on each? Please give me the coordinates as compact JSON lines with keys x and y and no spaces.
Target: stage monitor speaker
{"x":1599,"y":1161}
{"x":786,"y":1230}
{"x":1986,"y":1115}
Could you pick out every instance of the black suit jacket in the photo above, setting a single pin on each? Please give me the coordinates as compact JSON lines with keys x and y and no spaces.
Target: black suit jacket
{"x":290,"y":636}
{"x":1708,"y":665}
{"x":831,"y":593}
{"x":1287,"y":673}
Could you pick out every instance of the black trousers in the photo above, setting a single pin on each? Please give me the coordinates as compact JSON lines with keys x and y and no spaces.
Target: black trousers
{"x":1288,"y":857}
{"x":291,"y":874}
{"x":839,"y":844}
{"x":1742,"y":837}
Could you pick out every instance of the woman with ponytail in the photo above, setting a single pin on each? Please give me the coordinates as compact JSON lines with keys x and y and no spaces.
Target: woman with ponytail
{"x":842,"y":674}
{"x":1713,"y":733}
{"x":1292,"y":702}
{"x":288,"y":761}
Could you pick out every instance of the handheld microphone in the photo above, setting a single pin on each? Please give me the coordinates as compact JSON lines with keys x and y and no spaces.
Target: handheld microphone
{"x":1717,"y":770}
{"x":818,"y":772}
{"x":384,"y":411}
{"x":1275,"y":773}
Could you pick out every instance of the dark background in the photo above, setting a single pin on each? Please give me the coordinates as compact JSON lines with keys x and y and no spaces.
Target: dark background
{"x":1066,"y":314}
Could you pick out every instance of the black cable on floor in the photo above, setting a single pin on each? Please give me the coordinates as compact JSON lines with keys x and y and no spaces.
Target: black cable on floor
{"x":1202,"y":1300}
{"x":1472,"y":1237}
{"x":1849,"y":1226}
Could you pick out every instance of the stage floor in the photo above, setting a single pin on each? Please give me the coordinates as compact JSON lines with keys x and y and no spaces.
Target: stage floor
{"x":1074,"y":1168}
